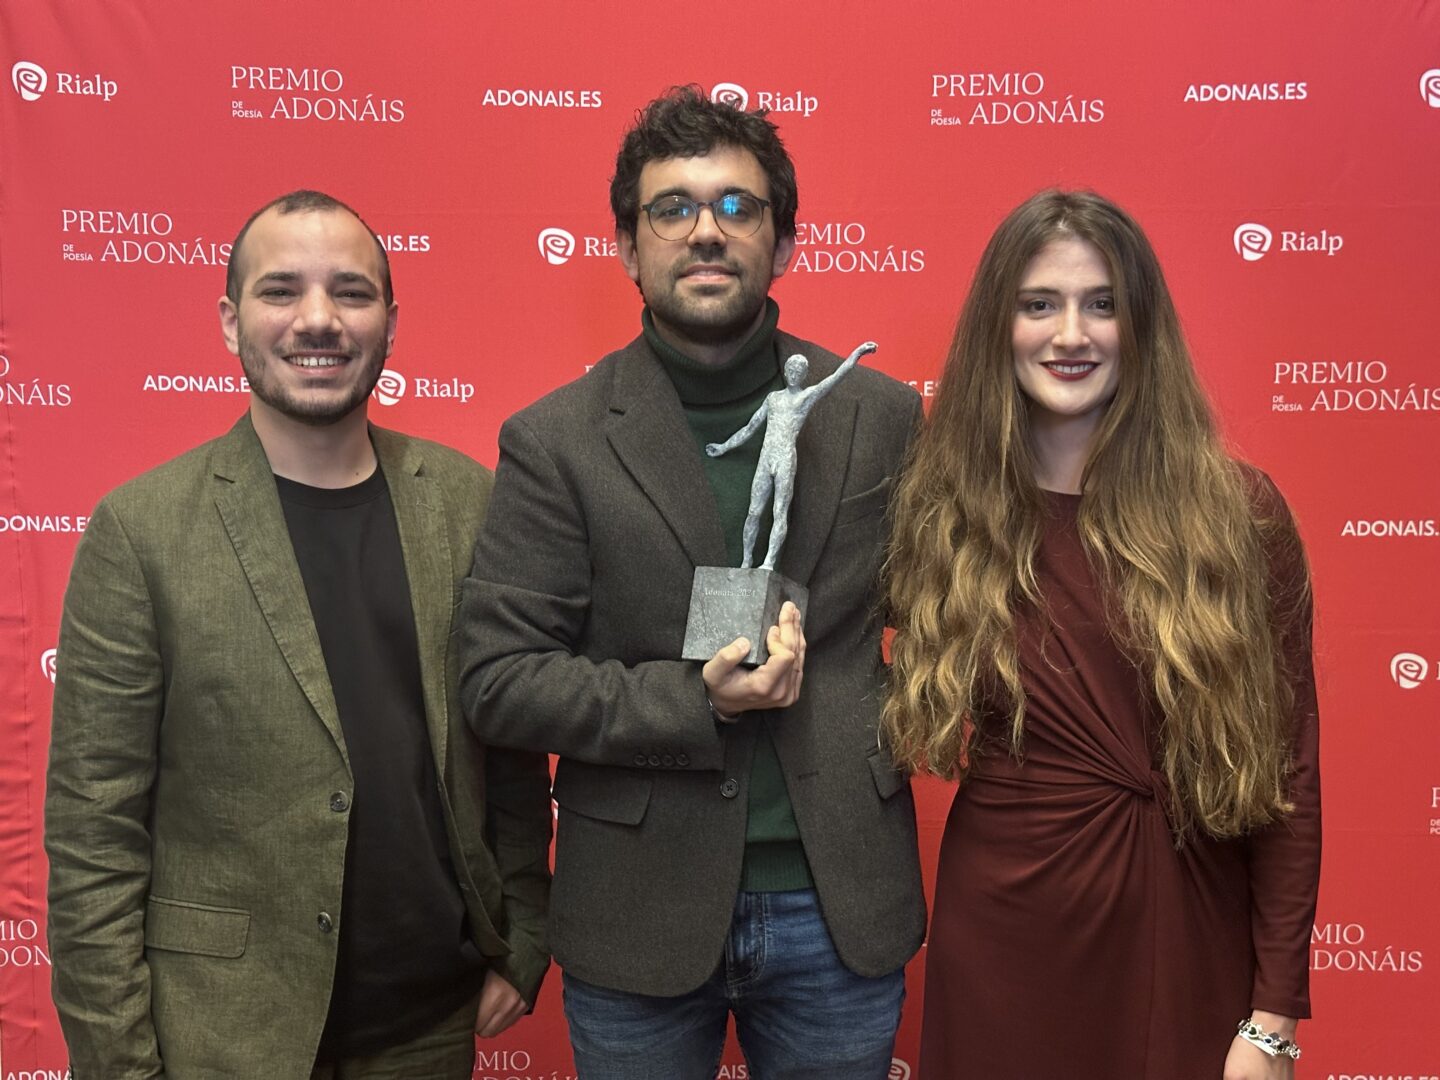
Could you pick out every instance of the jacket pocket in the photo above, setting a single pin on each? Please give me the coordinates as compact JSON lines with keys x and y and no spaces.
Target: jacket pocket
{"x":864,"y":505}
{"x":888,"y":779}
{"x":602,"y":793}
{"x":180,"y":926}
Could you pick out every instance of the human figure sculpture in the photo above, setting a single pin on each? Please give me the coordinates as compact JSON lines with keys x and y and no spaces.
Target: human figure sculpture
{"x":775,"y":472}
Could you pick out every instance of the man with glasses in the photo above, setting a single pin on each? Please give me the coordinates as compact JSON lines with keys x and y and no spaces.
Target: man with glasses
{"x":728,"y":842}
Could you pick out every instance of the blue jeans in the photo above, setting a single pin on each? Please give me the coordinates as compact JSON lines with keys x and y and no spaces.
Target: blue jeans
{"x":800,"y":1013}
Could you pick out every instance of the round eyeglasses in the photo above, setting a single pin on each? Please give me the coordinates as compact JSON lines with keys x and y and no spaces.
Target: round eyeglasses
{"x":674,"y":217}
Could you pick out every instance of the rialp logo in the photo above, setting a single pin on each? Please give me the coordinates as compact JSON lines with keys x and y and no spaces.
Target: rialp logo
{"x":29,"y":80}
{"x":390,"y":387}
{"x":1252,"y":241}
{"x":556,"y":245}
{"x":1430,"y":88}
{"x":47,"y":663}
{"x":732,"y":94}
{"x":1408,"y":670}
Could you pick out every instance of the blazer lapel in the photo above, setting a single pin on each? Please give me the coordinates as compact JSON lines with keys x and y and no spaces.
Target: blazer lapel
{"x":420,"y":516}
{"x":249,"y":505}
{"x":822,"y":456}
{"x":648,"y":433}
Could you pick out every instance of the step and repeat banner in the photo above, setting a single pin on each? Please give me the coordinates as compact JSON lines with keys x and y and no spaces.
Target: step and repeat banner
{"x":1284,"y":157}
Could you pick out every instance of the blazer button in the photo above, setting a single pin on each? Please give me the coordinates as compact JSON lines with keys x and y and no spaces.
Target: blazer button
{"x":667,"y":760}
{"x":682,"y":760}
{"x":641,"y":760}
{"x":324,"y":922}
{"x":655,"y":760}
{"x":730,"y":788}
{"x":339,"y":803}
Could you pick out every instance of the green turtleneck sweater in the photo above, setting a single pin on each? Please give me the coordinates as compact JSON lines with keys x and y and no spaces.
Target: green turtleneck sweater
{"x":718,"y":401}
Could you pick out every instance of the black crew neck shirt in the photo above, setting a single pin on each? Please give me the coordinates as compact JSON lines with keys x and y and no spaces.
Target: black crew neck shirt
{"x":405,"y":960}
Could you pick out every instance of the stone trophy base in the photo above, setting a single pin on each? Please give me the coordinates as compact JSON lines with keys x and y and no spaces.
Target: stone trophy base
{"x":728,"y":602}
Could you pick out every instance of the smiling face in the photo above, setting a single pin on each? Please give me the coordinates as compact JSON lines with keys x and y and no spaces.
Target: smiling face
{"x":707,"y":290}
{"x":1065,"y":335}
{"x":311,"y":326}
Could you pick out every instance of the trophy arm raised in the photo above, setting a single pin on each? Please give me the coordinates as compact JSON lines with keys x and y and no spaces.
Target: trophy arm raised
{"x":824,"y":386}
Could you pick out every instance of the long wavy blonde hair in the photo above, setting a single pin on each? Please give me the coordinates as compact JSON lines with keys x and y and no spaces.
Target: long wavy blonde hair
{"x":1167,"y":518}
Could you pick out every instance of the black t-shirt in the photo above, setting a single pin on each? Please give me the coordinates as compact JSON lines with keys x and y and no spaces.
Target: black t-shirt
{"x":405,"y":960}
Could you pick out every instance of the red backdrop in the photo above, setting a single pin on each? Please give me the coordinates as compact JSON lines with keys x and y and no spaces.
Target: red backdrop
{"x":1282,"y":155}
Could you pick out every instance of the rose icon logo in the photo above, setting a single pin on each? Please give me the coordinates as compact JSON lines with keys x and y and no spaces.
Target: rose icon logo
{"x":29,"y":80}
{"x":390,"y":387}
{"x":556,"y":245}
{"x":732,"y":94}
{"x":1430,"y":88}
{"x":47,"y":664}
{"x":1408,"y":670}
{"x":1252,"y":241}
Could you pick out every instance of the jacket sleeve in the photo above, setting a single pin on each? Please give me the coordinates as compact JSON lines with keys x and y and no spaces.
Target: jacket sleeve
{"x":109,"y":695}
{"x":1285,"y":856}
{"x":517,"y":827}
{"x":523,"y":682}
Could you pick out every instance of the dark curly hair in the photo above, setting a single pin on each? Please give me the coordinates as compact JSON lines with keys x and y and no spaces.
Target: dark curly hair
{"x":682,"y":123}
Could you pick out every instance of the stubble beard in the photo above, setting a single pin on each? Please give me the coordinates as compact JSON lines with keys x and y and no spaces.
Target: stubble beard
{"x":708,"y":320}
{"x":259,"y":365}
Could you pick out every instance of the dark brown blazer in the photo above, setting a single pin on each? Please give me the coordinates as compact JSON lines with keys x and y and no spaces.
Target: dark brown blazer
{"x":571,"y":624}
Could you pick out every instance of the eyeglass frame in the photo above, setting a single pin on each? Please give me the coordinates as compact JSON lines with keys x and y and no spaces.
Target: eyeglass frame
{"x":764,"y":204}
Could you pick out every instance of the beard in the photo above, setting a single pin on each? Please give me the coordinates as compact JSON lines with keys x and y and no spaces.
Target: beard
{"x":315,"y":409}
{"x":706,"y":320}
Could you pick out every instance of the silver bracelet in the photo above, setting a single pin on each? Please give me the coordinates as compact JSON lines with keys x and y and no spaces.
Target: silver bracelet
{"x":1273,"y":1045}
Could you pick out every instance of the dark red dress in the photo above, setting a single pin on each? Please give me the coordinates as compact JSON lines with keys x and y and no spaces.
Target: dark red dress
{"x":1070,"y":938}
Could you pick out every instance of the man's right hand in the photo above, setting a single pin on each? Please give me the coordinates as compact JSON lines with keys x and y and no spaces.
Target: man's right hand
{"x":773,"y":685}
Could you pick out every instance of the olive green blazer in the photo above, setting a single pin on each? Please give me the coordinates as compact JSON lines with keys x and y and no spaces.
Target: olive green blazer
{"x":196,"y":815}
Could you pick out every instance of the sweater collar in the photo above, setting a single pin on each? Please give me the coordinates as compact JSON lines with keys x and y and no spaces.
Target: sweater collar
{"x":748,"y":371}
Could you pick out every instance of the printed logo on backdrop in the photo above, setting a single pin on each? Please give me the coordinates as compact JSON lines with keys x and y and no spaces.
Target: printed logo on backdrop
{"x":498,"y":97}
{"x":16,"y":390}
{"x":404,"y":243}
{"x":30,"y":81}
{"x":1430,"y":88}
{"x":991,"y":99}
{"x":1254,"y":241}
{"x":899,"y":1070}
{"x":390,"y":387}
{"x":1434,"y":806}
{"x":1409,"y":670}
{"x":848,"y":247}
{"x":1364,"y":386}
{"x":797,"y":102}
{"x":22,"y":945}
{"x":1391,"y":528}
{"x":134,"y":237}
{"x":44,"y":523}
{"x":47,"y":663}
{"x":514,"y":1065}
{"x":1242,"y":92}
{"x":393,"y":386}
{"x":1347,"y":947}
{"x":308,"y":93}
{"x":558,"y":246}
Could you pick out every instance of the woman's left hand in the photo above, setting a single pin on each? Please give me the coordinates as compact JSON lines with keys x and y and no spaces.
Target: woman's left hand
{"x":1246,"y":1061}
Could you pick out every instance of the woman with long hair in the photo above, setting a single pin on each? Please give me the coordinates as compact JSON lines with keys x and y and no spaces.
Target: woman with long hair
{"x":1103,"y":631}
